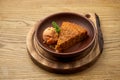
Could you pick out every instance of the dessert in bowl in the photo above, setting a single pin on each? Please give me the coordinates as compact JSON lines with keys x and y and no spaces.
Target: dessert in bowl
{"x":65,"y":35}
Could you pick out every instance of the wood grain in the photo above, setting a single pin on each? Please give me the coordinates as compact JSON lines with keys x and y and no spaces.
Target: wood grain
{"x":18,"y":16}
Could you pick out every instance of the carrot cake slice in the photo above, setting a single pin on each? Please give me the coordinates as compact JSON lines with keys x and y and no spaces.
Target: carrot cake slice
{"x":70,"y":34}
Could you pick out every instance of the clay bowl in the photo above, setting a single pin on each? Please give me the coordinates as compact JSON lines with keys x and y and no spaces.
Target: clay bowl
{"x":79,"y":50}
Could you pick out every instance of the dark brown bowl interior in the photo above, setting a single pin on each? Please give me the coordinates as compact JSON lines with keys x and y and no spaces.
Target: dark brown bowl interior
{"x":71,"y":17}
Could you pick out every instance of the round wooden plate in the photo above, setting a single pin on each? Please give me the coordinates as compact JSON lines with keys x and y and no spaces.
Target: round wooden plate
{"x":38,"y":57}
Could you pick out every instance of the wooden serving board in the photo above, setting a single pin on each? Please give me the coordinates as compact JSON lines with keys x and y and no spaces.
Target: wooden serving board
{"x":76,"y":65}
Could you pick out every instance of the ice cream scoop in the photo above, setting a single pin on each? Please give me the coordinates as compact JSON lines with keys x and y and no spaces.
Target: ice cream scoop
{"x":50,"y":36}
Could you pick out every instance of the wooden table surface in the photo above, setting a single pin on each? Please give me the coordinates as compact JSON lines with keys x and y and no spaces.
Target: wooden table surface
{"x":18,"y":16}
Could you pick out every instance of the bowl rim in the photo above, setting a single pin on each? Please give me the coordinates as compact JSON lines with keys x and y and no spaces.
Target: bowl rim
{"x":66,"y":53}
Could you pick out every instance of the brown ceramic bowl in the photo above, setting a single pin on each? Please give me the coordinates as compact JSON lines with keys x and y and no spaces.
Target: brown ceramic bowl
{"x":81,"y":49}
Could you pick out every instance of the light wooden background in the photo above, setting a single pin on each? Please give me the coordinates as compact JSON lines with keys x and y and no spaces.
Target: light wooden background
{"x":18,"y":16}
